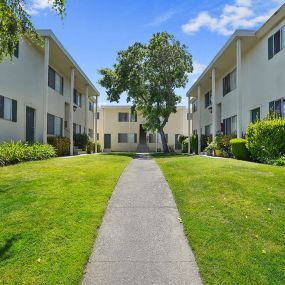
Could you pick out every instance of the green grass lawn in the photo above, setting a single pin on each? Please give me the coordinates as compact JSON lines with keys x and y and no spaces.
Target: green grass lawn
{"x":234,"y":217}
{"x":49,"y":213}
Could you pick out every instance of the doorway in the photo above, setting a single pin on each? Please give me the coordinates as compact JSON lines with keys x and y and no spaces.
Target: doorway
{"x":142,"y":135}
{"x":107,"y":141}
{"x":30,"y":124}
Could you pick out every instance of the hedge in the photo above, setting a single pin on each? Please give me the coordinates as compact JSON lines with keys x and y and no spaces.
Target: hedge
{"x":81,"y":141}
{"x":15,"y":152}
{"x":61,"y":145}
{"x":239,"y":149}
{"x":266,"y":139}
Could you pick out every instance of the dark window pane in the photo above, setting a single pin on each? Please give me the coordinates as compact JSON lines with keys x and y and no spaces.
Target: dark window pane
{"x":51,"y":78}
{"x":14,"y":110}
{"x":255,"y":115}
{"x":177,"y":143}
{"x":278,"y":108}
{"x":16,"y":51}
{"x":1,"y":106}
{"x":271,"y":107}
{"x":50,"y":124}
{"x":277,"y":42}
{"x":270,"y":47}
{"x":122,"y":138}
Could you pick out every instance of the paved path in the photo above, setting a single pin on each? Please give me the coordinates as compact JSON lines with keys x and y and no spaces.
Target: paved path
{"x":141,"y":240}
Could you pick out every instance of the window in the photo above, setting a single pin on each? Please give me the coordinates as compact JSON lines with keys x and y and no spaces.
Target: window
{"x":76,"y":129}
{"x":230,"y":82}
{"x":208,"y":130}
{"x":8,"y":109}
{"x":77,"y":98}
{"x":55,"y":81}
{"x":230,"y":126}
{"x":134,"y":117}
{"x":152,"y":138}
{"x":122,"y":138}
{"x":195,"y":106}
{"x":123,"y":117}
{"x":91,"y":106}
{"x":277,"y":108}
{"x":54,"y":125}
{"x":195,"y":132}
{"x":132,"y":138}
{"x":178,"y":145}
{"x":16,"y":51}
{"x":276,"y":42}
{"x":208,"y":99}
{"x":98,"y":115}
{"x":255,"y":115}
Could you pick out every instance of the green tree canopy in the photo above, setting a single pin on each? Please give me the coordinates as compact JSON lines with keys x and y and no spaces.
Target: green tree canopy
{"x":150,"y":74}
{"x":15,"y":23}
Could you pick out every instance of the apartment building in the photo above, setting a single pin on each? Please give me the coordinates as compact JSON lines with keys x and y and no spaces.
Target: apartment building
{"x":43,"y":92}
{"x":243,"y":83}
{"x":119,"y":129}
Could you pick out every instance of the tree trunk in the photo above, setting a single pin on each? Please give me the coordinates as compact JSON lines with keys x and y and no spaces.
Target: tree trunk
{"x":163,"y":140}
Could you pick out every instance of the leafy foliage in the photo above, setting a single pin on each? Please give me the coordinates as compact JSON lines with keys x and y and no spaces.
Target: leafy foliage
{"x":266,"y":139}
{"x":12,"y":153}
{"x":239,"y":149}
{"x":81,"y":140}
{"x":61,"y":145}
{"x":15,"y":23}
{"x":150,"y":74}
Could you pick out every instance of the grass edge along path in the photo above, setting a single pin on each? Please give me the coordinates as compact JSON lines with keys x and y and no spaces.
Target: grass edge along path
{"x":49,"y":215}
{"x":233,"y":215}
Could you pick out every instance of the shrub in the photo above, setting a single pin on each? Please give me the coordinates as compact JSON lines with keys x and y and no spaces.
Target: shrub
{"x":279,"y":161}
{"x":81,"y":141}
{"x":194,"y":144}
{"x":204,"y":141}
{"x":61,"y":145}
{"x":11,"y":153}
{"x":90,"y":147}
{"x":239,"y":149}
{"x":185,"y":145}
{"x":266,"y":139}
{"x":182,"y":138}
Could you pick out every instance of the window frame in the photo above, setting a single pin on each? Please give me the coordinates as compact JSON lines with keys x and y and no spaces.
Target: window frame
{"x":208,"y":99}
{"x":277,"y":38}
{"x":229,"y":80}
{"x":121,"y":136}
{"x":53,"y":127}
{"x":13,"y":109}
{"x":257,"y":118}
{"x":121,"y":115}
{"x":52,"y":79}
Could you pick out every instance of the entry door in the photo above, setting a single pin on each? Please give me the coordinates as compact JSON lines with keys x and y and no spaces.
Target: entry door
{"x":107,"y":141}
{"x":30,"y":124}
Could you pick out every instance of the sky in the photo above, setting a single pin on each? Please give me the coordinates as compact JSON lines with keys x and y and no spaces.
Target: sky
{"x":94,"y":31}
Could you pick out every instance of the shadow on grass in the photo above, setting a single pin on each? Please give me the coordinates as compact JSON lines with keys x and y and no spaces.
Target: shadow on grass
{"x":171,"y":154}
{"x":4,"y":249}
{"x":128,"y":154}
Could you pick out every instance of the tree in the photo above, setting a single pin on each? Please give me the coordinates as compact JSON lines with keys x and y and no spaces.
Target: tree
{"x":150,"y":74}
{"x":15,"y":23}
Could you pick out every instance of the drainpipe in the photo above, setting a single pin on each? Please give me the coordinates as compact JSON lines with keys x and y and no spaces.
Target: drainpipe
{"x":71,"y":110}
{"x":45,"y":93}
{"x":189,"y":125}
{"x":95,"y":121}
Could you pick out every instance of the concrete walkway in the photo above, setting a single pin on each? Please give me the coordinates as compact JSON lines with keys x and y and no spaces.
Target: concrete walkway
{"x":141,"y":240}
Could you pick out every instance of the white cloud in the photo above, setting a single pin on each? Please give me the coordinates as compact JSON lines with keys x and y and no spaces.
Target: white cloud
{"x":198,"y":68}
{"x":34,"y":6}
{"x":241,"y":14}
{"x":162,"y":18}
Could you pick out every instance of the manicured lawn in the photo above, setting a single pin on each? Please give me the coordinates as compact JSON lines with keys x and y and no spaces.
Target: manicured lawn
{"x":49,"y":214}
{"x":234,"y":217}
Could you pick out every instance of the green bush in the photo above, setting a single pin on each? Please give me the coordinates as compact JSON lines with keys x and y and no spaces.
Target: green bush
{"x":194,"y":144}
{"x":61,"y":145}
{"x":182,"y":138}
{"x":15,"y":152}
{"x":185,"y":145}
{"x":239,"y":149}
{"x":279,"y":161}
{"x":90,"y":147}
{"x":81,"y":141}
{"x":266,"y":139}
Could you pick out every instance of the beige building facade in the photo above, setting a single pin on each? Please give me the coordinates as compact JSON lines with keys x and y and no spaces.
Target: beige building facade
{"x":244,"y":82}
{"x":121,"y":130}
{"x":43,"y":92}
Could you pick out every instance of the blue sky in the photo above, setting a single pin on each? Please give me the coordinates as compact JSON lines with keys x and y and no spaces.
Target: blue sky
{"x":94,"y":31}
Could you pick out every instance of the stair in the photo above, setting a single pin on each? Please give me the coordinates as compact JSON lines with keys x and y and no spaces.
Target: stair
{"x":78,"y":151}
{"x":142,"y":148}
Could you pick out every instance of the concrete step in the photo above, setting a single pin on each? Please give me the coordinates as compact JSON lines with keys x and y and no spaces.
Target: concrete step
{"x":142,"y":148}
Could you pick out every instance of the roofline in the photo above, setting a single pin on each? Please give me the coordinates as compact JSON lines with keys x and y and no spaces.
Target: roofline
{"x":49,"y":33}
{"x":235,"y":35}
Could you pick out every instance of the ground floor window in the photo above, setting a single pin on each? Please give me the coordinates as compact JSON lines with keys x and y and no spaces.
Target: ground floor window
{"x":8,"y":109}
{"x":277,"y":108}
{"x":229,"y":126}
{"x":122,"y":138}
{"x":208,"y":130}
{"x":255,"y":115}
{"x":76,"y":129}
{"x":178,"y":145}
{"x":133,"y":138}
{"x":54,"y":125}
{"x":152,"y":138}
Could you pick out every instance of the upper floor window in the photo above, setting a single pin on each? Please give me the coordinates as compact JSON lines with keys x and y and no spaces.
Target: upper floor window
{"x":134,"y":117}
{"x":208,"y":130}
{"x":230,"y":82}
{"x":195,"y":106}
{"x":230,"y":126}
{"x":8,"y":109}
{"x":208,"y":99}
{"x":255,"y":115}
{"x":276,"y":42}
{"x":122,"y":138}
{"x":76,"y":129}
{"x":123,"y":117}
{"x":54,"y":125}
{"x":277,"y":108}
{"x":91,"y":106}
{"x":77,"y":100}
{"x":16,"y":51}
{"x":151,"y":138}
{"x":55,"y":81}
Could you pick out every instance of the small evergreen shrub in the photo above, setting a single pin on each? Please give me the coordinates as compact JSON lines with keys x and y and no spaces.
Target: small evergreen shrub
{"x":266,"y":139}
{"x":90,"y":147}
{"x":239,"y":149}
{"x":185,"y":145}
{"x":15,"y":152}
{"x":61,"y":145}
{"x":81,"y":141}
{"x":194,"y":144}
